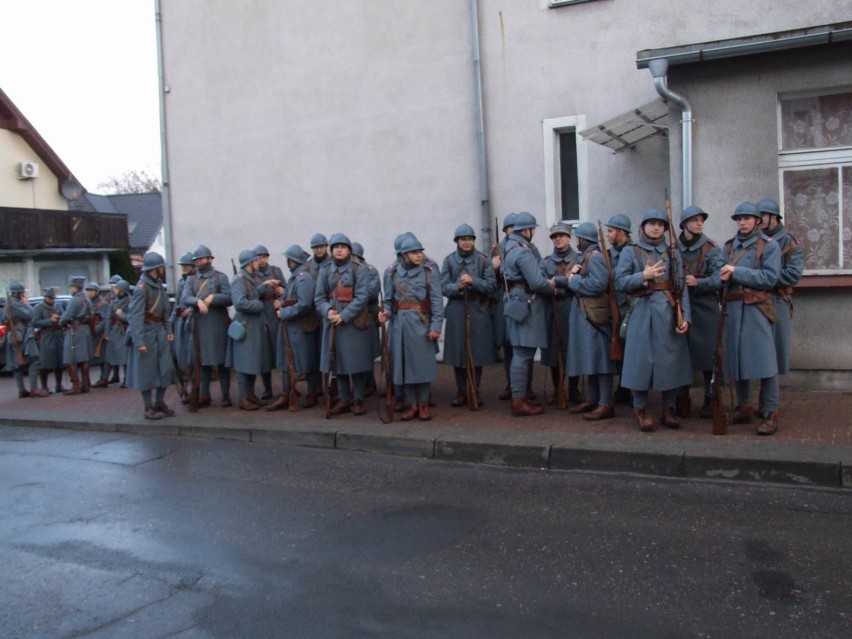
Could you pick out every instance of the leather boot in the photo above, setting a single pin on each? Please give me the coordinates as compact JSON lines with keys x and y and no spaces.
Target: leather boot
{"x":585,"y":407}
{"x":743,"y":414}
{"x":412,"y":411}
{"x":683,"y":404}
{"x":309,"y":401}
{"x":85,"y":385}
{"x":152,"y":413}
{"x":340,"y":406}
{"x":424,"y":412}
{"x":574,"y":395}
{"x":667,"y":419}
{"x":59,"y":388}
{"x":506,"y":394}
{"x":646,"y":424}
{"x":521,"y":407}
{"x":398,"y":405}
{"x":281,"y":403}
{"x":247,"y":404}
{"x":706,"y":410}
{"x":42,"y":376}
{"x":39,"y":392}
{"x":459,"y":400}
{"x":358,"y":407}
{"x":254,"y":399}
{"x":600,"y":412}
{"x":75,"y":380}
{"x":101,"y":383}
{"x":162,"y":407}
{"x":769,"y":425}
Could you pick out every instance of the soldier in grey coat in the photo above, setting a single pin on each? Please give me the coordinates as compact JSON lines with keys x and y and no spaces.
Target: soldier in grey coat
{"x":702,"y":262}
{"x":792,"y":267}
{"x":468,"y":282}
{"x":656,"y":354}
{"x":498,"y":320}
{"x":298,"y":317}
{"x":375,"y":293}
{"x":590,"y":328}
{"x":751,"y":271}
{"x":149,"y":366}
{"x":251,"y":354}
{"x":273,"y":278}
{"x":524,"y":308}
{"x":21,"y":348}
{"x":558,"y":313}
{"x":415,"y":308}
{"x":99,"y":325}
{"x":180,"y":322}
{"x":77,"y":342}
{"x":46,"y":324}
{"x":116,"y":347}
{"x":207,"y":293}
{"x":341,"y":296}
{"x":618,"y":230}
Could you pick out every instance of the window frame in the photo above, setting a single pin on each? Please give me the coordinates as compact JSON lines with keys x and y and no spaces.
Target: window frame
{"x":552,"y":128}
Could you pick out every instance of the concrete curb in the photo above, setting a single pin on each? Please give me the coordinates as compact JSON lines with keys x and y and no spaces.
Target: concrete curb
{"x":763,"y":461}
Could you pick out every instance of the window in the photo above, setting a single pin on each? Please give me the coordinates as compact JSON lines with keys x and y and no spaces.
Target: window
{"x":559,"y":3}
{"x":566,"y":196}
{"x":815,"y":162}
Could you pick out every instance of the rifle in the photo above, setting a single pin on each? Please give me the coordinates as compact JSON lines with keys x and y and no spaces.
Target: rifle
{"x":720,"y":419}
{"x":560,"y":399}
{"x":674,"y":280}
{"x":13,"y":331}
{"x":615,"y":352}
{"x":180,"y":379}
{"x":196,"y":364}
{"x":293,"y":400}
{"x":233,"y":266}
{"x":330,"y":377}
{"x":386,"y":366}
{"x":469,"y":367}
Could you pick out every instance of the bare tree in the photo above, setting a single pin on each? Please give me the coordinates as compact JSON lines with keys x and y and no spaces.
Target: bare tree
{"x":131,"y":182}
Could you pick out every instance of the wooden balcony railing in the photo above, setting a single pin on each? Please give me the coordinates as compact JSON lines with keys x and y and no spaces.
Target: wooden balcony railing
{"x":33,"y":229}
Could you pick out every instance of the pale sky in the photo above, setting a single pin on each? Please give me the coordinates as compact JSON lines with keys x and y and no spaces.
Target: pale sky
{"x":84,"y":73}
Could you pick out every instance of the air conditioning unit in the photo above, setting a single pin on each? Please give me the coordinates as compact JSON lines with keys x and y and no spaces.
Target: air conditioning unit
{"x":27,"y":170}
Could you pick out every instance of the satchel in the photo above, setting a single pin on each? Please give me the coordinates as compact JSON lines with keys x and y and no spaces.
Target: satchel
{"x":516,"y":308}
{"x":237,"y":331}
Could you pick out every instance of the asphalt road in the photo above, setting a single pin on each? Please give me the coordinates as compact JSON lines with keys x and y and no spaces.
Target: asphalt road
{"x":111,"y":535}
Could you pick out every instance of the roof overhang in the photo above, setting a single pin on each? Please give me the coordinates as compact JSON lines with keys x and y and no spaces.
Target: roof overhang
{"x":630,"y":128}
{"x":736,"y":47}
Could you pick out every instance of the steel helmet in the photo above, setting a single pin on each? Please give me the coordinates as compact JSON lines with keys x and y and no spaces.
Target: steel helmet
{"x":48,"y":292}
{"x":690,"y":212}
{"x":655,"y":215}
{"x":399,"y":240}
{"x":509,"y":220}
{"x":260,"y":249}
{"x":411,"y":245}
{"x":295,"y":253}
{"x":185,"y":260}
{"x":201,"y":251}
{"x":123,"y":285}
{"x":745,"y":209}
{"x":464,"y":230}
{"x":151,"y":261}
{"x":560,"y":227}
{"x":339,"y":238}
{"x":77,"y":281}
{"x":524,"y":220}
{"x":587,"y":231}
{"x":768,"y":205}
{"x":620,"y":221}
{"x":115,"y":279}
{"x":318,"y":239}
{"x":247,"y":257}
{"x":357,"y":250}
{"x":17,"y":286}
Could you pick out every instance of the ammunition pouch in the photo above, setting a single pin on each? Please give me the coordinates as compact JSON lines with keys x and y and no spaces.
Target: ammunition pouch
{"x":596,"y":309}
{"x":363,"y":321}
{"x":344,"y":294}
{"x":307,"y":323}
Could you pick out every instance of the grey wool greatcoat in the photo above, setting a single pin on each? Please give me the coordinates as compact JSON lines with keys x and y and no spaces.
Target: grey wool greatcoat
{"x":181,"y":328}
{"x":49,"y":336}
{"x":749,"y":335}
{"x":299,"y":315}
{"x":353,"y":349}
{"x":479,"y":295}
{"x":375,"y":290}
{"x":271,"y":272}
{"x":620,"y":296}
{"x":792,"y":267}
{"x":213,"y":327}
{"x":521,"y":268}
{"x":100,"y":330}
{"x":588,"y":343}
{"x":22,"y":315}
{"x":252,"y":355}
{"x":655,"y":356}
{"x":115,"y":352}
{"x":77,"y":343}
{"x":412,"y":354}
{"x":557,"y":266}
{"x":148,"y":313}
{"x":498,"y":320}
{"x":703,"y":259}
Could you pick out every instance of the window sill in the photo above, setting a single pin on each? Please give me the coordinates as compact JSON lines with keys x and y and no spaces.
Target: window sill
{"x":825,"y":281}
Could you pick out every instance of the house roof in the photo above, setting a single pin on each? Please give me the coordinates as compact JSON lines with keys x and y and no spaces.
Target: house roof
{"x":13,"y":120}
{"x":144,"y":213}
{"x":735,"y":47}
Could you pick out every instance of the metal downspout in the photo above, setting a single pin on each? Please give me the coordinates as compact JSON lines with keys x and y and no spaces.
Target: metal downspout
{"x":484,"y":203}
{"x":165,"y":195}
{"x":659,"y":68}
